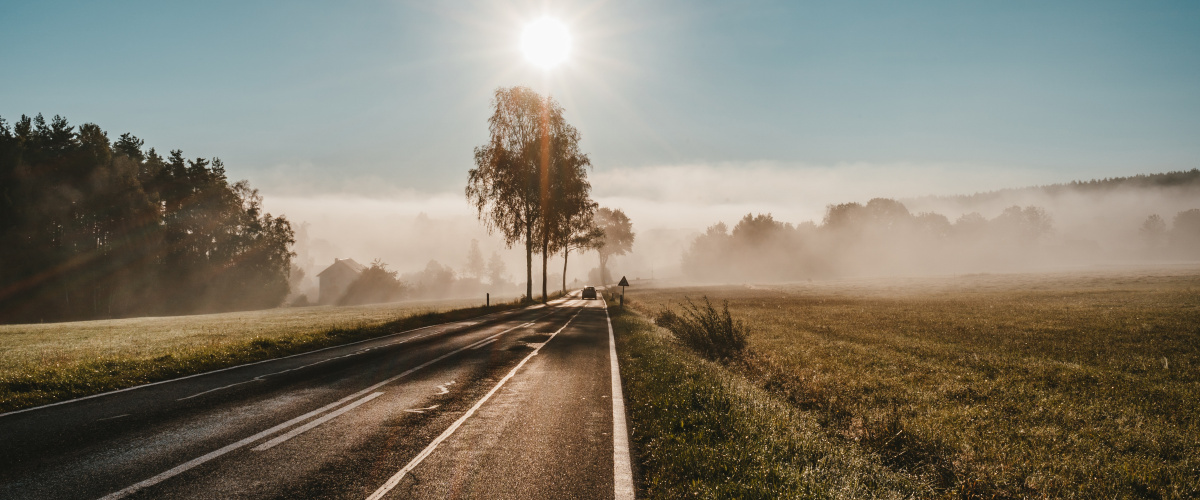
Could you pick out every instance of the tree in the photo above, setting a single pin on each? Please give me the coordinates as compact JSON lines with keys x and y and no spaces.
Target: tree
{"x":618,"y":237}
{"x":1026,"y":225}
{"x":94,"y":229}
{"x":524,"y":173}
{"x":374,"y":285}
{"x":495,"y":269}
{"x":1153,"y":231}
{"x":1185,"y":230}
{"x":582,"y":234}
{"x":566,"y":203}
{"x":475,"y":265}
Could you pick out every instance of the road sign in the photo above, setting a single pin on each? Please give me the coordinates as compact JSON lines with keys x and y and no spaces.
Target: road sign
{"x":624,"y":282}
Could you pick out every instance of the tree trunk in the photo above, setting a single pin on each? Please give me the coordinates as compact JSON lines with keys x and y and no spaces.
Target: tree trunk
{"x":565,"y":251}
{"x":545,"y":258}
{"x":528,"y":262}
{"x":603,"y":266}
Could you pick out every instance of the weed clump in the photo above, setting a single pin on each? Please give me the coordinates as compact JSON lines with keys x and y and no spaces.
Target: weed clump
{"x":713,"y":334}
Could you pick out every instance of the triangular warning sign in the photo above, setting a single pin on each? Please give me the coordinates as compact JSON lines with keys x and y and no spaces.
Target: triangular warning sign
{"x":624,"y":282}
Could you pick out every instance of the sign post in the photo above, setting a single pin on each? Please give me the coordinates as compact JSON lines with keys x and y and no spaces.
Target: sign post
{"x":624,"y":283}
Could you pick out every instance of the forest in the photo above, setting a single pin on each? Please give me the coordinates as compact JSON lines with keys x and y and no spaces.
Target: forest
{"x":98,"y":228}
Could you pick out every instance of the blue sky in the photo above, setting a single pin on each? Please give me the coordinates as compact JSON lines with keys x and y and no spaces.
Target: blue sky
{"x":367,"y":97}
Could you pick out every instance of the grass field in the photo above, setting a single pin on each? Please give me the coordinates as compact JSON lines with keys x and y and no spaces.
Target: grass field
{"x":1000,"y":386}
{"x":41,"y":363}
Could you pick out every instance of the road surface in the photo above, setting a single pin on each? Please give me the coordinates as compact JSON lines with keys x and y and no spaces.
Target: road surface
{"x":522,"y":404}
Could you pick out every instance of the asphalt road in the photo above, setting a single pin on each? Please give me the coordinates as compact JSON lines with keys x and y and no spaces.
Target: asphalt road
{"x":522,"y":404}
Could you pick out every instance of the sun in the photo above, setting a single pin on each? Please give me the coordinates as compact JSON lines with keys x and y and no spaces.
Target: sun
{"x":546,"y":42}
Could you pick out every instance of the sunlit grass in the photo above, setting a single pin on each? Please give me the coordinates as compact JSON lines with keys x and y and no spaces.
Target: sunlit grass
{"x":700,"y":431}
{"x":41,"y":363}
{"x":1069,"y":385}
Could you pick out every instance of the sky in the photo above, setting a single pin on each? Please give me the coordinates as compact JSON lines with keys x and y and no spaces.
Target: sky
{"x":691,"y":111}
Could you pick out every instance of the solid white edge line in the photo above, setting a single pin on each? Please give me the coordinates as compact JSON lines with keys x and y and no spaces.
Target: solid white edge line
{"x":2,"y":415}
{"x":622,"y":461}
{"x":181,"y":468}
{"x":395,"y":479}
{"x":309,"y":426}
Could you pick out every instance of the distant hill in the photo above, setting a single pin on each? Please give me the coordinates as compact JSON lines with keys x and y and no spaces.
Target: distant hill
{"x":1184,"y":181}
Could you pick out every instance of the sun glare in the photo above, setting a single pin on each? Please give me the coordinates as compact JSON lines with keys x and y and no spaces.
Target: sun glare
{"x":546,"y":42}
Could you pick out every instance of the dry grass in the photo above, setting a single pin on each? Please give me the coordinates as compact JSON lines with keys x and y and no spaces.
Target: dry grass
{"x":699,"y":431}
{"x":42,"y":363}
{"x":64,"y":344}
{"x":1061,"y":385}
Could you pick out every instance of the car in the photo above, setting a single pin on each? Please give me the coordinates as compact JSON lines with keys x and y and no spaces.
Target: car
{"x":589,"y":292}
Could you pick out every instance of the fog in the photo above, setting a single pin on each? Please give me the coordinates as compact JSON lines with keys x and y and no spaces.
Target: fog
{"x":408,"y":232}
{"x":676,"y":211}
{"x":1144,"y":219}
{"x":1108,"y":217}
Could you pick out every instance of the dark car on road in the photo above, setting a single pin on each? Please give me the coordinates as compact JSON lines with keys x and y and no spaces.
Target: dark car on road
{"x":589,"y":292}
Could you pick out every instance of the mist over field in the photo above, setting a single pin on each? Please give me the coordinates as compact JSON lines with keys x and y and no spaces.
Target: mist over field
{"x":927,"y":221}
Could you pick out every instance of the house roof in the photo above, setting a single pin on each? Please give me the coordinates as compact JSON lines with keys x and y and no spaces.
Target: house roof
{"x":346,"y":263}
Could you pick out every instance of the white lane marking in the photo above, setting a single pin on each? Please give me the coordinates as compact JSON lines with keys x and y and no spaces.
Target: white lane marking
{"x":114,"y":417}
{"x":395,"y":479}
{"x":485,"y":342}
{"x":309,"y":426}
{"x":443,"y":388}
{"x":622,"y":467}
{"x":179,"y":469}
{"x":184,"y":467}
{"x":422,"y":410}
{"x":481,"y":342}
{"x":255,"y":379}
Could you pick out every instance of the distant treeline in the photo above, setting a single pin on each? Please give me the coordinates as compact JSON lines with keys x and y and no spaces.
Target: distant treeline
{"x":1184,"y":180}
{"x":93,"y":228}
{"x":378,"y":284}
{"x":883,"y":237}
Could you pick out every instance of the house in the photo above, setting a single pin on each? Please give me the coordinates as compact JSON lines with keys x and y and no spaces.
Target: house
{"x":336,"y":278}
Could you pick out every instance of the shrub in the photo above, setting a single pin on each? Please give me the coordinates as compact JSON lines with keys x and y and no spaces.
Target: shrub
{"x":713,"y":334}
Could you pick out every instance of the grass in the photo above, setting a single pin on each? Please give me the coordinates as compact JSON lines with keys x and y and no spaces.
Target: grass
{"x":44,"y":363}
{"x":715,"y":335}
{"x":700,"y":431}
{"x":1076,"y":385}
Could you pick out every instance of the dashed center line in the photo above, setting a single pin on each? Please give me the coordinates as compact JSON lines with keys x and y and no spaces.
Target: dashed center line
{"x":306,"y":427}
{"x":114,"y":417}
{"x":186,"y":466}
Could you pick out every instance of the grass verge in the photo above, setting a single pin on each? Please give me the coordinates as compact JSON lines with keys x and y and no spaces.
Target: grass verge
{"x":700,"y":431}
{"x":30,"y":384}
{"x":1022,"y":386}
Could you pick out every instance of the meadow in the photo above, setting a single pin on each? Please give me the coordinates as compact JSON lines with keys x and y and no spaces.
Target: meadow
{"x":1080,"y":384}
{"x":42,"y":363}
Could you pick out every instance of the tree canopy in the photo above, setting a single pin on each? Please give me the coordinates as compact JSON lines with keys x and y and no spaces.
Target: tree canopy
{"x":99,"y":229}
{"x":617,"y":237}
{"x":530,"y":179}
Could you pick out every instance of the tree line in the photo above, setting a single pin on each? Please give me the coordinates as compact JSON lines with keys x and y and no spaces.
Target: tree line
{"x":378,"y":284}
{"x":530,"y":185}
{"x":880,"y":237}
{"x":1181,"y":240}
{"x":93,"y":228}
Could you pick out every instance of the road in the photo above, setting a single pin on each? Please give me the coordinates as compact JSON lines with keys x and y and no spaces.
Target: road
{"x":522,"y":404}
